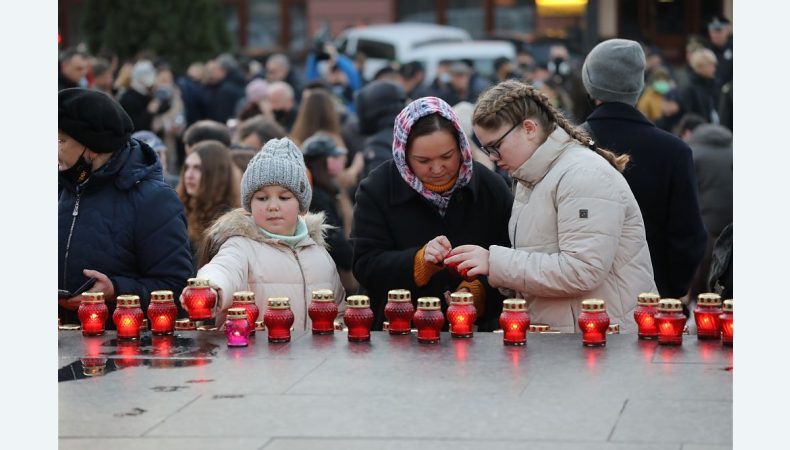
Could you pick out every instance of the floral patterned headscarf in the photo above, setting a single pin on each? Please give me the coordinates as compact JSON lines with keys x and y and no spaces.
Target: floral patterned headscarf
{"x":411,"y":113}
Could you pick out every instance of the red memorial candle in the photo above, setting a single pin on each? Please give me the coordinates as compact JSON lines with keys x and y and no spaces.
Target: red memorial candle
{"x":706,"y":316}
{"x":278,"y":319}
{"x":514,"y":321}
{"x":128,"y":317}
{"x":323,"y":311}
{"x":199,"y":299}
{"x":645,"y":315}
{"x":399,"y":311}
{"x":593,"y":322}
{"x":726,"y":323}
{"x":237,"y":327}
{"x":358,"y":318}
{"x":463,"y":273}
{"x":92,"y":313}
{"x":461,"y":314}
{"x":246,"y":301}
{"x":429,"y":320}
{"x":162,"y":313}
{"x":670,"y":321}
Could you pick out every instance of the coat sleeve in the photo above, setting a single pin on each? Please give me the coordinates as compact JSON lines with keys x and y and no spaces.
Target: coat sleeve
{"x":376,"y":262}
{"x":161,"y":246}
{"x":686,"y":235}
{"x":228,"y":270}
{"x":587,"y":245}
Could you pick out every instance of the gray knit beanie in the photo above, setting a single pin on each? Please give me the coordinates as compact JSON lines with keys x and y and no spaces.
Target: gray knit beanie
{"x":614,"y":71}
{"x":280,"y":162}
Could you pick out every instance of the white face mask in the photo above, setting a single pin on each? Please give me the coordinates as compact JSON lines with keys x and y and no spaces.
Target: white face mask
{"x":83,"y":82}
{"x":323,"y":69}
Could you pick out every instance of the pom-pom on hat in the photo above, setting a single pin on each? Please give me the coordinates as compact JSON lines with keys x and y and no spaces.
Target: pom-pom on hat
{"x":280,"y":162}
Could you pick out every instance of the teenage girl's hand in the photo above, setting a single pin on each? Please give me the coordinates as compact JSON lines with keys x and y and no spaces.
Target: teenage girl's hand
{"x":437,"y":249}
{"x":471,"y":260}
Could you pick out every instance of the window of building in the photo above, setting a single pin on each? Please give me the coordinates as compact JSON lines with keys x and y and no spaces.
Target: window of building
{"x":467,"y":14}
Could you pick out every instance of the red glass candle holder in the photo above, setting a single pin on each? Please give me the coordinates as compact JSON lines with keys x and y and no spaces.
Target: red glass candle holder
{"x":358,"y":318}
{"x":92,"y":313}
{"x":514,"y":321}
{"x":162,"y":313}
{"x":246,"y":301}
{"x":199,"y":299}
{"x":726,"y":323}
{"x":128,"y":317}
{"x":323,"y":311}
{"x":463,"y":273}
{"x":278,"y":319}
{"x":593,"y":322}
{"x":706,"y":316}
{"x":429,"y":320}
{"x":399,"y":311}
{"x":670,"y":321}
{"x":461,"y":314}
{"x":237,"y":327}
{"x":645,"y":315}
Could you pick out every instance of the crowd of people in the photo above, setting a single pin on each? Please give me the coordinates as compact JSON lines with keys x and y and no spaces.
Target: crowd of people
{"x":550,"y":181}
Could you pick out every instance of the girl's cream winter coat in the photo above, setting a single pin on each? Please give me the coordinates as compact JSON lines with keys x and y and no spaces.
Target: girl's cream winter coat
{"x":244,"y":259}
{"x":577,"y":233}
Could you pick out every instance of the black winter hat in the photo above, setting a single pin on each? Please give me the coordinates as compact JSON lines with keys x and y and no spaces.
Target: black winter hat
{"x":93,"y":119}
{"x":382,"y":99}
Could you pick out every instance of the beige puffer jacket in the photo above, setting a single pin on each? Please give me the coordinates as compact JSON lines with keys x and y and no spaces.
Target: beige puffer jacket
{"x":577,"y":233}
{"x":244,"y":259}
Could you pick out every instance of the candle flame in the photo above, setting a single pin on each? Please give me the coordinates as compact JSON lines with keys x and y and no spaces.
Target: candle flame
{"x":514,"y":326}
{"x":666,"y":328}
{"x":647,"y":321}
{"x":461,"y":318}
{"x":94,"y":316}
{"x":590,"y":326}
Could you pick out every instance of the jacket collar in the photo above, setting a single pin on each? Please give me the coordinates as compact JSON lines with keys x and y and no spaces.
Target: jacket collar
{"x":400,"y":192}
{"x":619,"y":111}
{"x":537,"y":166}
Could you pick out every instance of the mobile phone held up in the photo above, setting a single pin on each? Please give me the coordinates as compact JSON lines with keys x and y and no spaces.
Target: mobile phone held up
{"x":62,"y":293}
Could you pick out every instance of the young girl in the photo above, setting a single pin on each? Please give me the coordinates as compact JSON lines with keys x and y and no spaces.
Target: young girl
{"x":576,"y":229}
{"x":267,"y":247}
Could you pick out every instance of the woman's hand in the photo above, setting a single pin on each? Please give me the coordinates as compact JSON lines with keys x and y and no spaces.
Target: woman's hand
{"x":436,"y":250}
{"x":469,"y":260}
{"x":102,"y":284}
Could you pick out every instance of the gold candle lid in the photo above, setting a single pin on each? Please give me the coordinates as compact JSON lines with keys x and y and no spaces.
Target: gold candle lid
{"x":185,"y":324}
{"x":709,"y":299}
{"x":538,"y":327}
{"x":727,"y":305}
{"x":648,"y":299}
{"x":161,"y":296}
{"x":92,"y":297}
{"x":670,"y":304}
{"x":399,"y":295}
{"x":514,"y":304}
{"x":237,"y":313}
{"x":127,"y":301}
{"x":279,"y":303}
{"x":593,"y":304}
{"x":428,"y":303}
{"x":323,"y":295}
{"x":259,"y":326}
{"x":358,"y":301}
{"x":244,"y":297}
{"x":198,"y":282}
{"x":461,"y":298}
{"x":614,"y":328}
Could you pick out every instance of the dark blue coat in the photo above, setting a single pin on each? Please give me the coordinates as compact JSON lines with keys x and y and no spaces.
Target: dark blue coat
{"x":130,"y":226}
{"x":661,"y":176}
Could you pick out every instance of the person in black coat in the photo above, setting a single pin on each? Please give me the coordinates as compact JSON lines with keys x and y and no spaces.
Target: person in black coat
{"x":118,"y":221}
{"x":412,"y":210}
{"x":377,"y":105}
{"x":699,"y":95}
{"x":661,"y":172}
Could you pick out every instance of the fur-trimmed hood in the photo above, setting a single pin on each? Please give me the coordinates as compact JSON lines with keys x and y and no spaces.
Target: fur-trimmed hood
{"x":239,"y":222}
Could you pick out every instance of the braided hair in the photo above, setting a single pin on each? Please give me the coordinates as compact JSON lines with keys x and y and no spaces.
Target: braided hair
{"x":512,"y":101}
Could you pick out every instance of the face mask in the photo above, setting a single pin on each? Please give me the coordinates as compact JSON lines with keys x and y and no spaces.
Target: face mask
{"x":83,"y":82}
{"x":661,"y":86}
{"x":444,"y":78}
{"x":80,"y":171}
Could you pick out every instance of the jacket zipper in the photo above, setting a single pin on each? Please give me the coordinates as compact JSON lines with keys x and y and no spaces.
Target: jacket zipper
{"x":304,"y":284}
{"x":74,"y":214}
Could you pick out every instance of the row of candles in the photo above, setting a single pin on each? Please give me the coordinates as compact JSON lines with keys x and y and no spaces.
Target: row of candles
{"x":656,"y":318}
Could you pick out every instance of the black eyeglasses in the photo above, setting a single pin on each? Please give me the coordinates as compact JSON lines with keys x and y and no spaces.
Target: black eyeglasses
{"x":493,"y":149}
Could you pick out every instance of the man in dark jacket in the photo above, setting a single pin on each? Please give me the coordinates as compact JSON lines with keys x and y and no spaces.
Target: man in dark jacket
{"x":73,"y":69}
{"x":118,"y":221}
{"x":699,"y":94}
{"x":661,"y":172}
{"x":377,"y":105}
{"x":225,"y":87}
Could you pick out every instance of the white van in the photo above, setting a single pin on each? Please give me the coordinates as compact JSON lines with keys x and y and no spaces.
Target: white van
{"x":481,"y":53}
{"x":394,"y":42}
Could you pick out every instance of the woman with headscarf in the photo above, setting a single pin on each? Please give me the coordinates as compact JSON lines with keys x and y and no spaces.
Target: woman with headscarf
{"x":412,"y":210}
